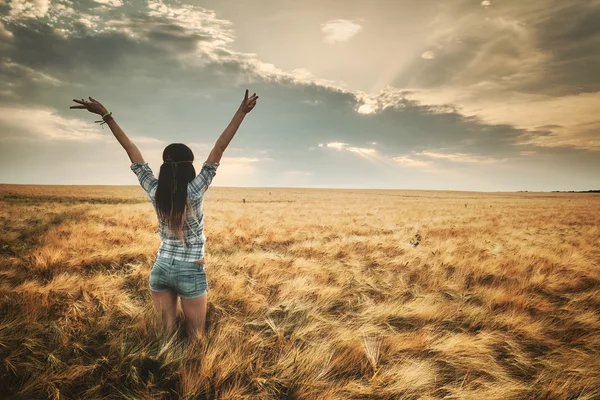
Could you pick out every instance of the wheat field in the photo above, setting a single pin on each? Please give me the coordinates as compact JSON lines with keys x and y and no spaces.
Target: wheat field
{"x":313,"y":294}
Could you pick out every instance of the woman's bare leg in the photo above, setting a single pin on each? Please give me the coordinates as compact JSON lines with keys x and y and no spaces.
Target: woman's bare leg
{"x":165,"y":304}
{"x":195,"y":315}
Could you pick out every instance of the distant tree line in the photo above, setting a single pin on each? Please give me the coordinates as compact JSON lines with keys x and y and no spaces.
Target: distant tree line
{"x":569,"y":191}
{"x":576,"y":191}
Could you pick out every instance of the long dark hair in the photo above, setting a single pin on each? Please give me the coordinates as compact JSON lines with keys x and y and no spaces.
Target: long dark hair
{"x":175,"y":173}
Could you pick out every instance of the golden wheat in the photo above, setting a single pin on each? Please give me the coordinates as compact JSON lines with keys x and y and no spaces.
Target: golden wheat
{"x":328,"y":294}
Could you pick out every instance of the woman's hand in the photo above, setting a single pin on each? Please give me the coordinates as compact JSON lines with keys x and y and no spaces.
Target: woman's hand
{"x":248,"y":103}
{"x":93,"y":106}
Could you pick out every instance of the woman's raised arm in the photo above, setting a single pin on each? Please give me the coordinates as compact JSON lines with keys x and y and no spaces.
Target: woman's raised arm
{"x":96,"y":107}
{"x":223,"y":140}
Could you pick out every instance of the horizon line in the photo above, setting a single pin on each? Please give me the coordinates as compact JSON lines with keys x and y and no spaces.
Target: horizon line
{"x":334,"y":188}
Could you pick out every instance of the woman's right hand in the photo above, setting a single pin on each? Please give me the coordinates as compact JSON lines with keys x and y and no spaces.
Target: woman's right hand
{"x":248,"y":103}
{"x":93,"y":106}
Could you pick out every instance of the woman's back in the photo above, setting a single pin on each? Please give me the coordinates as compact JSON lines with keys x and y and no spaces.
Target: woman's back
{"x":192,"y":246}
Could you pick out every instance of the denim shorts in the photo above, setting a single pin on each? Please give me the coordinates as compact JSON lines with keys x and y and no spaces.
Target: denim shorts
{"x":186,"y":278}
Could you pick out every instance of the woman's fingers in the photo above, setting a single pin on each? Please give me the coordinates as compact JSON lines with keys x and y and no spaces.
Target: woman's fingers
{"x":78,"y":107}
{"x":93,"y":101}
{"x":250,"y":106}
{"x":252,"y":103}
{"x":246,"y":99}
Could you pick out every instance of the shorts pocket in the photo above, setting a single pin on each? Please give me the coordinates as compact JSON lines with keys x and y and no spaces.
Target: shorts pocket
{"x":187,"y":284}
{"x":202,"y":282}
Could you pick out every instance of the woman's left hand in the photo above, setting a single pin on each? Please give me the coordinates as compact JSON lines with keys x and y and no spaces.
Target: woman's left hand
{"x":93,"y":106}
{"x":248,"y":103}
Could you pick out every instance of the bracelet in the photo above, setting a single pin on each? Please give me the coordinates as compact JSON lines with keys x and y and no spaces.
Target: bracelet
{"x":104,"y":121}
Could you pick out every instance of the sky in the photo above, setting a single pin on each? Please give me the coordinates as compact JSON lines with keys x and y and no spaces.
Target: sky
{"x":492,"y":95}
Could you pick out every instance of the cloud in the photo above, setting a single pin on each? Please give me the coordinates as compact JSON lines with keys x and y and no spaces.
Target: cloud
{"x":394,"y":98}
{"x":486,"y":3}
{"x":180,"y":36}
{"x":361,"y":150}
{"x":147,"y":140}
{"x":16,"y":77}
{"x":89,"y":21}
{"x":214,"y":34}
{"x":336,"y":145}
{"x":245,"y":160}
{"x":460,"y":157}
{"x":520,"y":47}
{"x":345,"y":146}
{"x":339,"y":30}
{"x":110,"y":3}
{"x":366,"y":153}
{"x":196,"y":37}
{"x":428,"y":55}
{"x":237,"y":170}
{"x":585,"y":138}
{"x":366,"y":109}
{"x":406,"y":161}
{"x":28,"y":8}
{"x":5,"y":35}
{"x":203,"y":146}
{"x":38,"y":123}
{"x":302,"y":73}
{"x":548,"y":121}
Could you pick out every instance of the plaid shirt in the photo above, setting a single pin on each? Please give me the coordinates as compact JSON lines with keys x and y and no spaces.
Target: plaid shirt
{"x":192,"y":249}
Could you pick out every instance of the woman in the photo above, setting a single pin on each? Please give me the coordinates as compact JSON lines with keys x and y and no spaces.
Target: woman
{"x":177,"y":197}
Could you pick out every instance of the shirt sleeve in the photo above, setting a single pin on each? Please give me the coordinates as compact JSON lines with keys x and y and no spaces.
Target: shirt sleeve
{"x":145,"y":176}
{"x":201,"y":182}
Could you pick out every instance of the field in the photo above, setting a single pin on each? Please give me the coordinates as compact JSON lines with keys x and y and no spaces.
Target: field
{"x":314,"y":294}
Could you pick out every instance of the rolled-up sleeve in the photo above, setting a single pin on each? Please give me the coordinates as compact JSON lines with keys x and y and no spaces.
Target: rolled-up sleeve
{"x":145,"y":176}
{"x":202,"y":181}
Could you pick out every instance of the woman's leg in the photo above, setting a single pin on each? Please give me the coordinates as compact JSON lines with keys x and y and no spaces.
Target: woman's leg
{"x":165,"y":304}
{"x":195,"y":315}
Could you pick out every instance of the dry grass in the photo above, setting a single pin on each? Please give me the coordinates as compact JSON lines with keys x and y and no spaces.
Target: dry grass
{"x":314,"y":294}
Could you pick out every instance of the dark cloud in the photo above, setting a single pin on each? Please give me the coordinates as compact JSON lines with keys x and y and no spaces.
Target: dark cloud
{"x":175,"y":37}
{"x":39,"y":46}
{"x":546,"y":47}
{"x":571,"y":34}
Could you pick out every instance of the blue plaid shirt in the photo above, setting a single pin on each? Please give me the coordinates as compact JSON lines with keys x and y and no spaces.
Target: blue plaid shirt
{"x":192,"y":249}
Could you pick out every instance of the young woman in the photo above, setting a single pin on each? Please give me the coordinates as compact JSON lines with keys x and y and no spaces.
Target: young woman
{"x":177,"y":197}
